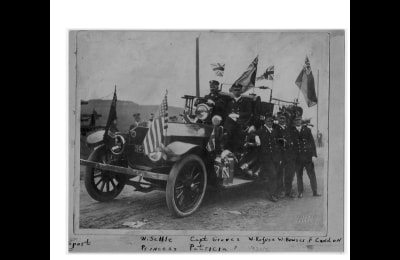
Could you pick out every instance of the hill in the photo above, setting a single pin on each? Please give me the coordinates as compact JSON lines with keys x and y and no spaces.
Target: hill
{"x":125,"y":111}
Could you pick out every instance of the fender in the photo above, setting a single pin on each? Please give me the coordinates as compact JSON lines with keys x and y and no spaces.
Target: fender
{"x":96,"y":138}
{"x":175,"y":150}
{"x":96,"y":152}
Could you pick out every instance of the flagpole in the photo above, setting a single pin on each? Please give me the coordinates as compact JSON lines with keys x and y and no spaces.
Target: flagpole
{"x":298,"y":95}
{"x":270,"y":96}
{"x":197,"y":68}
{"x":317,"y":99}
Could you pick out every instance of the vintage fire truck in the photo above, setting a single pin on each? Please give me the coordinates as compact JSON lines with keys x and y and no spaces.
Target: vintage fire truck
{"x":184,"y":168}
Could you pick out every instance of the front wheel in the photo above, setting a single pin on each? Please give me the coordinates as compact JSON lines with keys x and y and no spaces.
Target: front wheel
{"x":100,"y":184}
{"x":186,"y":186}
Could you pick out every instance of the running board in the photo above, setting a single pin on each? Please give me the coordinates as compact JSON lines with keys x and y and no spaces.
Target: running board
{"x":237,"y":182}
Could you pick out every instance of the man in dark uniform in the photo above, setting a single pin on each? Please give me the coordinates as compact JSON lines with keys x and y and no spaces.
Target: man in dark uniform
{"x":306,"y":153}
{"x":287,"y":160}
{"x":137,"y":121}
{"x":215,"y":100}
{"x":238,"y":120}
{"x":266,"y":140}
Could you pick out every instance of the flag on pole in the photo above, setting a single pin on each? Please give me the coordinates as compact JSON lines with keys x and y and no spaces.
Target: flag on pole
{"x":218,"y":68}
{"x":268,"y":74}
{"x":248,"y":78}
{"x":111,"y":127}
{"x":306,"y":84}
{"x":158,"y":129}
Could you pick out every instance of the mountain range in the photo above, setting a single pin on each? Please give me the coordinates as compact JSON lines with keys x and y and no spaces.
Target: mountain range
{"x":125,"y":111}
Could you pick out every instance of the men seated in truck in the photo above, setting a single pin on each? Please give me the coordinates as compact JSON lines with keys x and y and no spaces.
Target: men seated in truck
{"x":215,"y":100}
{"x":238,"y":120}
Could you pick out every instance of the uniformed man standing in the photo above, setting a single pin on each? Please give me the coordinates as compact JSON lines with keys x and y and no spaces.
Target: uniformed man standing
{"x":238,"y":120}
{"x":306,"y":153}
{"x":266,"y":139}
{"x":287,"y":163}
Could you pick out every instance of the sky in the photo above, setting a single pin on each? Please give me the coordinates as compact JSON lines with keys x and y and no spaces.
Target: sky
{"x":144,"y":65}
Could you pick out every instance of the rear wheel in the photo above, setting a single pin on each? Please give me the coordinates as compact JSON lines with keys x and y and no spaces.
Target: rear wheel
{"x":100,"y":184}
{"x":186,"y":186}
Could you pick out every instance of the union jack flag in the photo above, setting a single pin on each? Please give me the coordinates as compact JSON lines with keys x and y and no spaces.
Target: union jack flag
{"x":158,"y":129}
{"x":218,"y":68}
{"x":268,"y":74}
{"x":248,"y":78}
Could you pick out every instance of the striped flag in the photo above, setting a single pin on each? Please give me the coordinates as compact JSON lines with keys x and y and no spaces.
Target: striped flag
{"x":306,"y":84}
{"x":218,"y":68}
{"x":268,"y":74}
{"x":158,"y":129}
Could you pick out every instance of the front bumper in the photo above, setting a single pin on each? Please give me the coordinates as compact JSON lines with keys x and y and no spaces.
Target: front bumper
{"x":129,"y":171}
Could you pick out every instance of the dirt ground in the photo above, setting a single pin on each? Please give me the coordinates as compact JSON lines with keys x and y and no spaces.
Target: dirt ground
{"x":237,"y":208}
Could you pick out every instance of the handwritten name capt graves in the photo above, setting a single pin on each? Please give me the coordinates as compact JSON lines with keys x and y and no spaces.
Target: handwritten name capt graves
{"x":213,"y":243}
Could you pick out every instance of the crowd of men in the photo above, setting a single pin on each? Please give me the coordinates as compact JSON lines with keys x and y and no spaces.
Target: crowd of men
{"x":283,"y":150}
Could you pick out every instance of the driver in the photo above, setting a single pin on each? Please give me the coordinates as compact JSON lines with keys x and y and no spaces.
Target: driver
{"x":215,"y":100}
{"x":137,"y":121}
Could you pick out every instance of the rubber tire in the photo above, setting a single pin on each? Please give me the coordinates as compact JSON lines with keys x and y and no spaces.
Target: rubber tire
{"x":171,"y":185}
{"x":89,"y":183}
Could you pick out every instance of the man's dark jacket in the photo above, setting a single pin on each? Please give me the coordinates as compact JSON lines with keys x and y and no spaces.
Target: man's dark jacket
{"x":242,"y":107}
{"x":304,"y":144}
{"x":269,"y":149}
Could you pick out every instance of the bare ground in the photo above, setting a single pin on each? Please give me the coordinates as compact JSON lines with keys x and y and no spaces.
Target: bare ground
{"x":237,"y":208}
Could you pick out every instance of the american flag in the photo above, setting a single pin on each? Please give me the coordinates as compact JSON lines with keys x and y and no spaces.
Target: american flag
{"x":268,"y":74}
{"x":218,"y":68}
{"x":158,"y":129}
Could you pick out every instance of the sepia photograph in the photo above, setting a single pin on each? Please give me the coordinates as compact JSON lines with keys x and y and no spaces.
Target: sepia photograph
{"x":206,"y":141}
